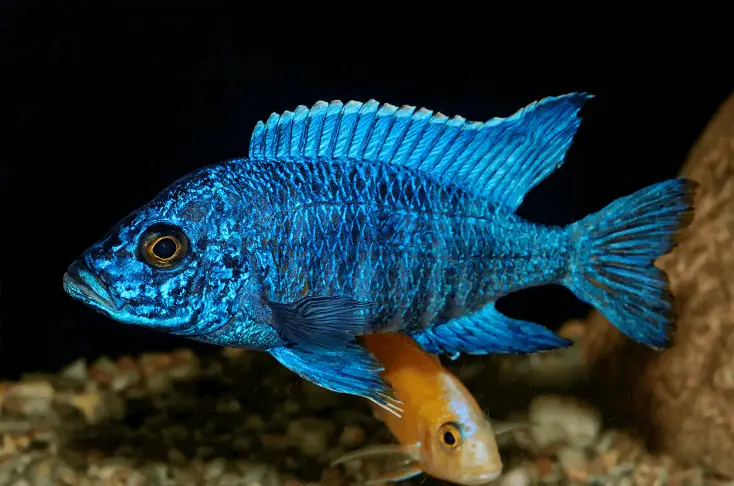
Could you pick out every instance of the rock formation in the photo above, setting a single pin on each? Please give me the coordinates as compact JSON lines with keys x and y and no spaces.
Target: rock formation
{"x":685,"y":396}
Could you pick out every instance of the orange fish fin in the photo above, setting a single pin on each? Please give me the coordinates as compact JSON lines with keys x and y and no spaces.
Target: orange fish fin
{"x":411,"y":451}
{"x":400,"y":472}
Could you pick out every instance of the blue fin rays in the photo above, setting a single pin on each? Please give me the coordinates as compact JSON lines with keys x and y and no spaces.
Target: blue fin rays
{"x":325,"y":323}
{"x":351,"y":370}
{"x":488,"y":331}
{"x":617,"y":247}
{"x":501,"y":159}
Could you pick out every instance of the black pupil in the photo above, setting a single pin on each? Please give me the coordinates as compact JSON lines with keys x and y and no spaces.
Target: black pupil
{"x":448,"y":437}
{"x":164,"y":248}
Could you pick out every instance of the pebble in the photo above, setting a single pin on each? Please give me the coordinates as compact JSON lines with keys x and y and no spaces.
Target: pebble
{"x":184,"y":364}
{"x":519,"y":476}
{"x":12,"y":425}
{"x":228,"y":405}
{"x":76,"y":371}
{"x":32,"y":398}
{"x":352,"y":436}
{"x":259,"y":475}
{"x":11,"y":444}
{"x":574,"y":462}
{"x":311,"y":435}
{"x":204,"y":437}
{"x":291,"y":407}
{"x":313,"y":443}
{"x":232,"y":353}
{"x":66,"y":475}
{"x":103,"y":371}
{"x":175,"y":456}
{"x":254,"y":422}
{"x":128,"y":374}
{"x":332,"y":477}
{"x":214,"y":469}
{"x":91,"y":405}
{"x":563,"y":419}
{"x":42,"y":474}
{"x":184,"y":477}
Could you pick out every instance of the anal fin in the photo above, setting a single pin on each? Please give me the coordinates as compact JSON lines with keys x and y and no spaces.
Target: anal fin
{"x":351,"y":370}
{"x":400,"y":472}
{"x":405,"y":463}
{"x":488,"y":331}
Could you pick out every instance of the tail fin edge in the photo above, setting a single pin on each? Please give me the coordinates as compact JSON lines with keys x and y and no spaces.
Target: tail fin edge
{"x":614,"y":269}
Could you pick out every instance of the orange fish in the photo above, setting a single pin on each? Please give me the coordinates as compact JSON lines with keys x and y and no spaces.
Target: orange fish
{"x":440,"y":429}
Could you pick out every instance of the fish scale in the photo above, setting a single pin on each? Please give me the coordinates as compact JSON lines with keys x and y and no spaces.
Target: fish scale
{"x":406,"y":266}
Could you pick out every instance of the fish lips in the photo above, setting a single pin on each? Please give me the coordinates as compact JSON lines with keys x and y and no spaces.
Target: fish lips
{"x":83,"y":285}
{"x":483,"y":479}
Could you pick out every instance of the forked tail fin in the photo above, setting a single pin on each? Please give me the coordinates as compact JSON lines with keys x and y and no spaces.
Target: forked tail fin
{"x":614,"y":267}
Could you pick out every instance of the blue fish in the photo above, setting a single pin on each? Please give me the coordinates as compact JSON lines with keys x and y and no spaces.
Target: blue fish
{"x":358,"y":218}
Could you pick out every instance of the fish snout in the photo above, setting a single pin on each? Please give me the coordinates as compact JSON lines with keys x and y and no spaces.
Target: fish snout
{"x":82,"y":284}
{"x":484,"y":464}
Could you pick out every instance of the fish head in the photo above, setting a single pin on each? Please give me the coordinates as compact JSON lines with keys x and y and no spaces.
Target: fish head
{"x":462,"y":452}
{"x":177,"y":263}
{"x":458,"y":442}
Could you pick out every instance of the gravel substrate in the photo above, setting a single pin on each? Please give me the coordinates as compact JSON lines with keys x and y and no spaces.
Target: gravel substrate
{"x":239,"y":418}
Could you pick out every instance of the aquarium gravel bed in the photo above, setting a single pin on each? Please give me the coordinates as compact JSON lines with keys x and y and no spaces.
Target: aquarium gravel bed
{"x":239,"y":418}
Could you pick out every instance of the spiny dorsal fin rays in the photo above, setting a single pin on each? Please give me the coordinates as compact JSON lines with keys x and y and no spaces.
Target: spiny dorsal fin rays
{"x":501,"y":159}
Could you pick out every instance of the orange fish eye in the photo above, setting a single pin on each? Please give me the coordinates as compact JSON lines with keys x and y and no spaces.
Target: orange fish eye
{"x":164,"y":250}
{"x":449,"y":435}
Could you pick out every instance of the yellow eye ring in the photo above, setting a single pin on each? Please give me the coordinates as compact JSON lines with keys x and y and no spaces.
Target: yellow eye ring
{"x":164,"y":250}
{"x":449,"y":435}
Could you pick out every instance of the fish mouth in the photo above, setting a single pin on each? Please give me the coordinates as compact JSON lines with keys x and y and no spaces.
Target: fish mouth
{"x":482,"y":478}
{"x":83,"y":285}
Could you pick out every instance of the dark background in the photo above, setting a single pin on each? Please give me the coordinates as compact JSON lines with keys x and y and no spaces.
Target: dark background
{"x":102,"y":110}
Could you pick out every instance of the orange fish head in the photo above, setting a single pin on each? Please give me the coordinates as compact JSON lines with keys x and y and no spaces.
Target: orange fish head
{"x":461,"y":450}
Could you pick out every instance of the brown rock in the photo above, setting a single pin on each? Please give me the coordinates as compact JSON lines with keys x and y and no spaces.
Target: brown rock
{"x":684,"y":396}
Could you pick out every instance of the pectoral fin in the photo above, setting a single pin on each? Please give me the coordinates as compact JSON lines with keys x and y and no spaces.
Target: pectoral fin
{"x":409,"y":451}
{"x":405,"y":465}
{"x":321,"y":323}
{"x":396,"y":474}
{"x":352,"y":370}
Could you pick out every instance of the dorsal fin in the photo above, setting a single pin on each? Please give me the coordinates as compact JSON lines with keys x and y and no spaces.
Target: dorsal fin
{"x":501,"y":159}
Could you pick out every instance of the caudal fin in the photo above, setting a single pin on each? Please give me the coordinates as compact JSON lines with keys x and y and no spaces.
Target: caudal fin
{"x":614,"y":268}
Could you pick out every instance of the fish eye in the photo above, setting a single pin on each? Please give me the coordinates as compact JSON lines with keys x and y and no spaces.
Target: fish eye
{"x":450,"y":435}
{"x":163,"y":246}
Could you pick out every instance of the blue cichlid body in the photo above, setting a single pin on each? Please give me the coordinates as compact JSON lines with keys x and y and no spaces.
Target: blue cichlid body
{"x":356,"y":218}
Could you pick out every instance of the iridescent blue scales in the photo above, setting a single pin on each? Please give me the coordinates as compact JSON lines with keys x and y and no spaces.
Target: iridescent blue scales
{"x":356,"y":218}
